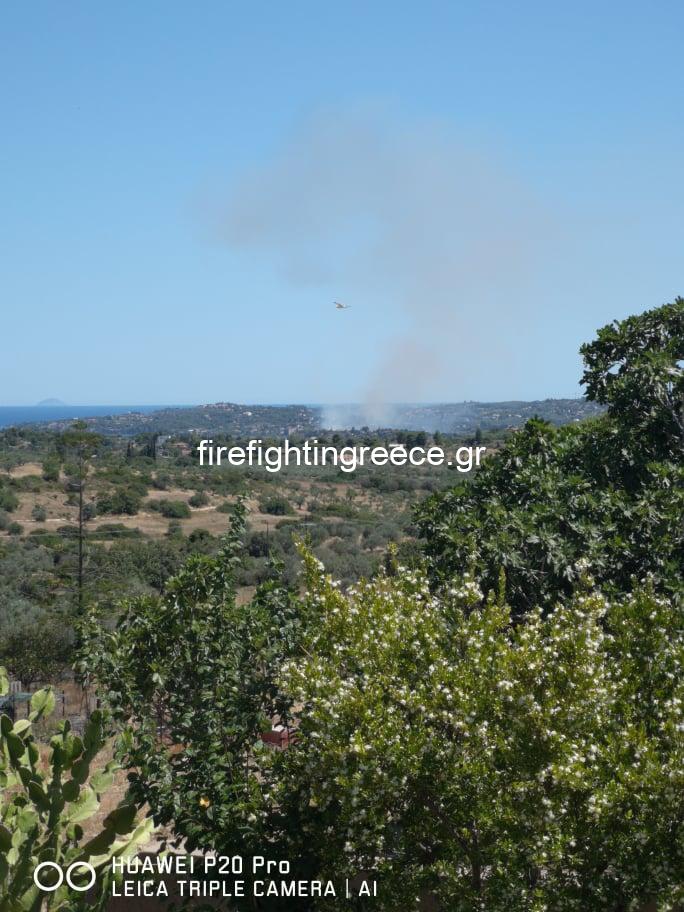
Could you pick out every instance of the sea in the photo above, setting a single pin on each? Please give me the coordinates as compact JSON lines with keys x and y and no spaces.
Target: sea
{"x":12,"y":415}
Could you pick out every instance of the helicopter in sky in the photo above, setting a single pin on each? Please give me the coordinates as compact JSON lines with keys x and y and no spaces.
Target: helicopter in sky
{"x":340,"y":306}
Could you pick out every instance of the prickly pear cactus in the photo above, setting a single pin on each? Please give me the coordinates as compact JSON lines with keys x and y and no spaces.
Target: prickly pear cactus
{"x":43,"y":804}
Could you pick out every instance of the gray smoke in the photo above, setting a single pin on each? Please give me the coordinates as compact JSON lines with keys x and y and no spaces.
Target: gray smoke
{"x":443,"y":238}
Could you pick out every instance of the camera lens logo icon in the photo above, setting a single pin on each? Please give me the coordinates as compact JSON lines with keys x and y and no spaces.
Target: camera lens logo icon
{"x":40,"y":875}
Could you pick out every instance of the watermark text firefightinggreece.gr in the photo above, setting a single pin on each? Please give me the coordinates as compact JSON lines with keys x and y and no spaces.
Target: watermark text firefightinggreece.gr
{"x":347,"y":458}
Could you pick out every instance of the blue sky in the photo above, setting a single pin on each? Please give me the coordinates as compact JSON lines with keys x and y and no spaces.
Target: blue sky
{"x":186,"y":188}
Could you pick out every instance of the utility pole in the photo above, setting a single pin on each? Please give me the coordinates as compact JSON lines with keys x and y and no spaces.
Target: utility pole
{"x":81,"y":441}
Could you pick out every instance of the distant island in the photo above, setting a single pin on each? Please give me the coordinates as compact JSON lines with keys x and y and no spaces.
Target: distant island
{"x":44,"y":402}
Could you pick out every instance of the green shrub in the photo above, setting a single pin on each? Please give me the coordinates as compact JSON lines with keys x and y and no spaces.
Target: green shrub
{"x":51,"y":468}
{"x":46,"y":539}
{"x":37,"y":648}
{"x":202,"y":541}
{"x":30,"y":484}
{"x":113,"y":531}
{"x":171,"y":509}
{"x":226,"y":480}
{"x":199,"y":499}
{"x":276,"y":506}
{"x":232,"y":651}
{"x":335,"y":508}
{"x":123,"y":500}
{"x":8,"y":500}
{"x":258,"y":544}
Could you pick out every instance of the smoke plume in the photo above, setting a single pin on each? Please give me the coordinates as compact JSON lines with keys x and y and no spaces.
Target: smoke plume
{"x":419,"y":224}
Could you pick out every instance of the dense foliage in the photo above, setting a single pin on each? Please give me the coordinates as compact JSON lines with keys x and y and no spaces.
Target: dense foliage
{"x":193,"y":669}
{"x":436,"y":747}
{"x":610,"y":490}
{"x":636,"y":368}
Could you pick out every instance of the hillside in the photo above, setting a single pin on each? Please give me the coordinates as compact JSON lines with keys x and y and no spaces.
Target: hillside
{"x":288,"y":420}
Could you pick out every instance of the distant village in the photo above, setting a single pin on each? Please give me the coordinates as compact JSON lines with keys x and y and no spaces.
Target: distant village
{"x":459,"y":418}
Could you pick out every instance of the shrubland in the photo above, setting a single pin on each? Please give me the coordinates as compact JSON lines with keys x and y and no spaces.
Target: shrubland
{"x":143,"y":515}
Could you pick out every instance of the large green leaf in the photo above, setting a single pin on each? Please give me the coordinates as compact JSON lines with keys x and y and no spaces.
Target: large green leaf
{"x":5,"y":839}
{"x":80,"y":770}
{"x":71,"y":790}
{"x":121,"y":819}
{"x":102,"y":779}
{"x":73,"y":748}
{"x":84,"y":807}
{"x":42,"y":704}
{"x":27,"y":820}
{"x":38,"y":796}
{"x":15,"y":746}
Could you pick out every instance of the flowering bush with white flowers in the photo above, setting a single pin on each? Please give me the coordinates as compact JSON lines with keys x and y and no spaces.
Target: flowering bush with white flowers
{"x":471,"y":764}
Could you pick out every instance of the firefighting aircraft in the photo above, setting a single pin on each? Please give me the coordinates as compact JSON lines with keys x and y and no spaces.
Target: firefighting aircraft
{"x":341,"y":306}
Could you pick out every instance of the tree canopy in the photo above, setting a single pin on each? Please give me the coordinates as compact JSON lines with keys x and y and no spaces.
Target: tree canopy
{"x":610,"y":489}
